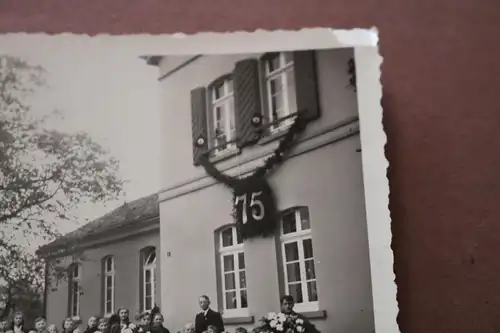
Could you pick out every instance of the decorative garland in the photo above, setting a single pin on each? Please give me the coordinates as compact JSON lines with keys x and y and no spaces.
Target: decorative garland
{"x":256,"y":184}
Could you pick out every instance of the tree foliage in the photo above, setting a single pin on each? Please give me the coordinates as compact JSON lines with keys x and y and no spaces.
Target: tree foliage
{"x":44,"y":174}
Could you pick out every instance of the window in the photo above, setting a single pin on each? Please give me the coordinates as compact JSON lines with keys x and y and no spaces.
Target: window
{"x":280,"y":89}
{"x":109,"y":285}
{"x":298,"y":259}
{"x":223,"y":122}
{"x":232,"y":271}
{"x":149,"y":279}
{"x":75,"y":273}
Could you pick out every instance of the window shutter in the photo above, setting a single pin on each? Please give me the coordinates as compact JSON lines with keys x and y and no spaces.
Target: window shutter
{"x":199,"y":123}
{"x":103,"y":287}
{"x":141,"y":280}
{"x":247,"y":101}
{"x":306,"y":84}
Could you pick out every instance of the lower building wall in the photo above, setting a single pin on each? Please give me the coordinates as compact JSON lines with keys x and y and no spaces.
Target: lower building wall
{"x":127,"y":285}
{"x":329,"y":181}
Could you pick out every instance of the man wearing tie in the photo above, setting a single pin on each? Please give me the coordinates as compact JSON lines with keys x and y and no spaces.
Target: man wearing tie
{"x":207,"y":317}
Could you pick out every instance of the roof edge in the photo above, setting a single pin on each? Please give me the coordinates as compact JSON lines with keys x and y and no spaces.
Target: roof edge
{"x":49,"y":250}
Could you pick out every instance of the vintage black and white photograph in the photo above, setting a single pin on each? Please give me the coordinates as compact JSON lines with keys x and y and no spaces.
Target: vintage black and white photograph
{"x":181,"y":188}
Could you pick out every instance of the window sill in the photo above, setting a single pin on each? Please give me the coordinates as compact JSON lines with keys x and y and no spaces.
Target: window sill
{"x":224,"y":155}
{"x":76,"y":320}
{"x":273,"y":136}
{"x":318,"y":314}
{"x":238,"y":320}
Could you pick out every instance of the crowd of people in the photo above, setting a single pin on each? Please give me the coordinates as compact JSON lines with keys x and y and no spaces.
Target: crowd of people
{"x":206,"y":321}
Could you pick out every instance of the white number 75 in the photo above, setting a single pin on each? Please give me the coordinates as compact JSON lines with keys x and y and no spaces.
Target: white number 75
{"x":256,"y":206}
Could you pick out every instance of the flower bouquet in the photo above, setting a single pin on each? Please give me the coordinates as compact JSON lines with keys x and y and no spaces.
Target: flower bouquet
{"x":284,"y":323}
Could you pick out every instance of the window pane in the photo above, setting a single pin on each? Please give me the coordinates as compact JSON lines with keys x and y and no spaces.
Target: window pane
{"x":273,"y":63}
{"x":308,"y":248}
{"x":109,"y":264}
{"x":292,"y":101}
{"x":276,"y":85}
{"x":295,"y":290}
{"x":241,"y":260}
{"x":304,"y":220}
{"x":291,"y":251}
{"x":219,"y":90}
{"x":230,"y":111}
{"x":310,"y":272}
{"x":229,"y":281}
{"x":147,"y":277}
{"x":148,"y":290}
{"x":76,"y":271}
{"x":243,"y":299}
{"x":230,"y":299}
{"x":312,"y":292}
{"x":227,"y":237}
{"x":229,"y":84}
{"x":243,"y":280}
{"x":228,"y":263}
{"x":239,"y":240}
{"x":289,"y":223}
{"x":109,"y":294}
{"x":109,"y":281}
{"x":293,"y":272}
{"x":288,"y":57}
{"x":148,"y":303}
{"x":108,"y":307}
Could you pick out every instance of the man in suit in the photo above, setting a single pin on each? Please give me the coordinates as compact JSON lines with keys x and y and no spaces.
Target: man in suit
{"x":207,"y":317}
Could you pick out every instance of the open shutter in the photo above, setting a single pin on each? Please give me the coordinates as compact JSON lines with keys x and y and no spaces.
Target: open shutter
{"x":103,"y":287}
{"x":199,"y":123}
{"x":306,"y":84}
{"x":248,"y":110}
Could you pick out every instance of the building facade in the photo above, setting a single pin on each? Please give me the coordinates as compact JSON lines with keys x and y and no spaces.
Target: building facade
{"x":320,"y":254}
{"x":109,"y":263}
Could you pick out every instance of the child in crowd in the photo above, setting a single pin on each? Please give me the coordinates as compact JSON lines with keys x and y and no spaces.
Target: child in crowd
{"x":68,"y":326}
{"x":157,"y":325}
{"x":41,"y":325}
{"x":52,"y":329}
{"x":3,"y":326}
{"x":212,"y":329}
{"x":92,"y":324}
{"x":241,"y":330}
{"x":103,"y":326}
{"x":145,"y":325}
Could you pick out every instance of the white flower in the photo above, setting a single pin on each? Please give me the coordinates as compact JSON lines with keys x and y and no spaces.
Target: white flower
{"x":300,"y":329}
{"x":281,"y":317}
{"x":131,"y":326}
{"x":273,"y":323}
{"x":299,"y":321}
{"x":271,"y":315}
{"x":279,"y":327}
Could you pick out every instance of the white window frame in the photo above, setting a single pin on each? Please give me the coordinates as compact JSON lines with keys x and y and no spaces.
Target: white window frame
{"x":151,"y":268}
{"x":233,"y":250}
{"x":281,"y":71}
{"x":224,"y":101}
{"x":109,"y":273}
{"x":298,"y":237}
{"x":75,"y":289}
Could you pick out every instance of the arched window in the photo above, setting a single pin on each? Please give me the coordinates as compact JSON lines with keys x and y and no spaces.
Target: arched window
{"x":74,"y":289}
{"x":298,"y":258}
{"x":148,"y":285}
{"x":108,"y":272}
{"x":232,"y":273}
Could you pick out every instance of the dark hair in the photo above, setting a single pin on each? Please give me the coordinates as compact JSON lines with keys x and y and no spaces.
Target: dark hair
{"x":287,"y":298}
{"x":39,"y":319}
{"x":240,"y":330}
{"x":205,"y":297}
{"x":144,"y":314}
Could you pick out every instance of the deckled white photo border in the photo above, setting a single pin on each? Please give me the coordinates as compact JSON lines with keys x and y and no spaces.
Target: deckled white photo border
{"x":369,"y":91}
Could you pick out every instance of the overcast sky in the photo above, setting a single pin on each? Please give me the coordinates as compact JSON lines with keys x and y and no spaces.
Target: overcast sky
{"x":112,"y":96}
